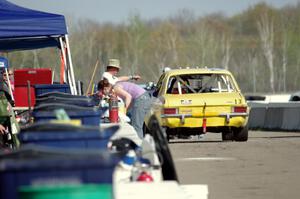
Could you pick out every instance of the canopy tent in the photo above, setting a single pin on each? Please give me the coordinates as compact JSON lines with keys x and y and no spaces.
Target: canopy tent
{"x":24,"y":29}
{"x":19,"y":25}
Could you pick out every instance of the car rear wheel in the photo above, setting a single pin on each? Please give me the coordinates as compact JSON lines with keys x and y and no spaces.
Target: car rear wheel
{"x":227,"y":135}
{"x":241,"y":134}
{"x":167,"y":133}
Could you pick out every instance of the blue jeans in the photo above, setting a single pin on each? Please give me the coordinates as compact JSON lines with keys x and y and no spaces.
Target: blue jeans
{"x":138,"y":110}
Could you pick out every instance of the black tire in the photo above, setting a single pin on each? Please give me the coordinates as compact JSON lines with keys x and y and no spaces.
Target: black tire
{"x":2,"y":141}
{"x":241,"y":134}
{"x":166,"y":133}
{"x":145,"y":130}
{"x":162,"y":148}
{"x":227,"y":135}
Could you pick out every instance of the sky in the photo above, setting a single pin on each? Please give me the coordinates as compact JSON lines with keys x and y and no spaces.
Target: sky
{"x":118,"y":11}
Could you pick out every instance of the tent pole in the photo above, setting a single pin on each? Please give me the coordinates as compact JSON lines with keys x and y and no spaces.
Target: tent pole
{"x":66,"y":73}
{"x":62,"y":48}
{"x":71,"y":64}
{"x":9,"y":84}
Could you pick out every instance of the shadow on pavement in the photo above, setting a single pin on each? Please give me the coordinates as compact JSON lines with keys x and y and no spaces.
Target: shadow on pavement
{"x":194,"y":141}
{"x":278,"y":137}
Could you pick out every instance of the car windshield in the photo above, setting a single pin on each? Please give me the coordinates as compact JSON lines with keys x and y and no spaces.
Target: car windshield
{"x":200,"y":83}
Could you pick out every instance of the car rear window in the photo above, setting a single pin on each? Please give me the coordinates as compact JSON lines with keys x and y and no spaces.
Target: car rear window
{"x":200,"y":83}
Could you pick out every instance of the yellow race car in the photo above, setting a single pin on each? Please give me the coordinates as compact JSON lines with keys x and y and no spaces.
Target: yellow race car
{"x":195,"y":101}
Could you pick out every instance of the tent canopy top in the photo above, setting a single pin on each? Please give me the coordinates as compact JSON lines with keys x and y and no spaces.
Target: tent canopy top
{"x":23,"y":28}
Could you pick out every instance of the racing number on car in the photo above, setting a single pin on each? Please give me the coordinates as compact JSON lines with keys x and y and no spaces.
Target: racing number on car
{"x":186,"y":102}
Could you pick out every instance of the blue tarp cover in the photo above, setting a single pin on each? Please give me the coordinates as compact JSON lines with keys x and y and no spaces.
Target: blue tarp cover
{"x":22,"y":28}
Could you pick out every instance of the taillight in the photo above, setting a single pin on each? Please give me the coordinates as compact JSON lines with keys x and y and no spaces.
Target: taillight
{"x":170,"y":111}
{"x":239,"y":109}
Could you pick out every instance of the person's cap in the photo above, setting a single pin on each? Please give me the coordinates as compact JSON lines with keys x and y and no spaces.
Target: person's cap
{"x":110,"y":78}
{"x":114,"y":63}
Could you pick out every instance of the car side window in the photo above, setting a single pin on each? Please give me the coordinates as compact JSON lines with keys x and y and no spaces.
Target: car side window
{"x":171,"y":86}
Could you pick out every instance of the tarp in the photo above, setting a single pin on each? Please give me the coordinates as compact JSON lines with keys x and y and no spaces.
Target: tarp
{"x":23,"y":28}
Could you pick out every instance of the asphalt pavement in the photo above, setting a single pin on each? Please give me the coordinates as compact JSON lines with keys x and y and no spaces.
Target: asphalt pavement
{"x":266,"y":166}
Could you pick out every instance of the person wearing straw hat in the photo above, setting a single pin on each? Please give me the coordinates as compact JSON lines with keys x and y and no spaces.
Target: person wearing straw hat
{"x":112,"y":69}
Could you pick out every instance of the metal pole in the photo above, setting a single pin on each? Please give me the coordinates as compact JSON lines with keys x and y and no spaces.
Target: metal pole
{"x":70,"y":82}
{"x":66,"y":73}
{"x":71,"y":64}
{"x":9,"y":84}
{"x":79,"y":86}
{"x":62,"y":47}
{"x":29,"y":96}
{"x":53,"y":75}
{"x":92,"y":79}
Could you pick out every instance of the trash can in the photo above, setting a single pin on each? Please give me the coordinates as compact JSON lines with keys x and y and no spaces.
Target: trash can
{"x":66,"y":136}
{"x":44,"y":167}
{"x":87,"y":115}
{"x":46,"y":88}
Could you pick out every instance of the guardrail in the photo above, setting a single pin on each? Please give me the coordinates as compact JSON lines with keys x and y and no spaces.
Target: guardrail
{"x":275,"y":116}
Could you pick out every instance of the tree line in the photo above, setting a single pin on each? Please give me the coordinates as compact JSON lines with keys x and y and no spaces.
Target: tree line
{"x":260,"y":46}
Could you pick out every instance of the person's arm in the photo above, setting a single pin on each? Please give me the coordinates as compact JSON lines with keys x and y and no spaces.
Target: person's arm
{"x":2,"y":129}
{"x":127,"y":78}
{"x":123,"y":94}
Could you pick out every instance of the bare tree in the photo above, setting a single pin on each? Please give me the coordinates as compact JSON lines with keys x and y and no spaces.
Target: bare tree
{"x":36,"y":63}
{"x":158,"y":49}
{"x":207,"y":44}
{"x":285,"y":44}
{"x":225,"y":47}
{"x":172,"y":44}
{"x":135,"y":35}
{"x":23,"y":59}
{"x":266,"y":33}
{"x":201,"y":39}
{"x":252,"y":59}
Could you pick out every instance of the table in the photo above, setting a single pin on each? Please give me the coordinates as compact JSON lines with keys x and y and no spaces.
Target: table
{"x":163,"y":189}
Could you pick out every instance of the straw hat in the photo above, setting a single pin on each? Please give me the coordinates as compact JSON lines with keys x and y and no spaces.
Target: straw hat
{"x":114,"y":63}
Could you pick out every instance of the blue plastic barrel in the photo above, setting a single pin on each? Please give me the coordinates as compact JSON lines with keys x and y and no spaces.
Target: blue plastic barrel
{"x":66,"y":136}
{"x":84,"y":102}
{"x":87,"y":115}
{"x":60,"y":94}
{"x":40,"y":167}
{"x":46,"y":88}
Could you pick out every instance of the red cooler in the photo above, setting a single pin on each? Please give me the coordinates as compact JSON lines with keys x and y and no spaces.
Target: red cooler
{"x":21,"y":96}
{"x":35,"y":76}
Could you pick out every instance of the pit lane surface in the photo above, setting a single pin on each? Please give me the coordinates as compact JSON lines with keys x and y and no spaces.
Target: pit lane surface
{"x":267,"y":166}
